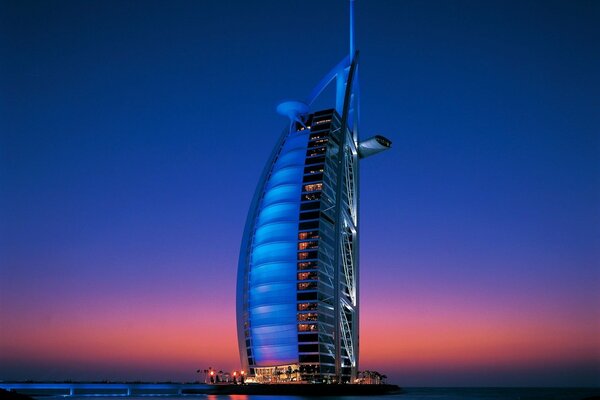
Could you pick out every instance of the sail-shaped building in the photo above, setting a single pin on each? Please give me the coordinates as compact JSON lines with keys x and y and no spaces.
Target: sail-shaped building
{"x":297,"y":287}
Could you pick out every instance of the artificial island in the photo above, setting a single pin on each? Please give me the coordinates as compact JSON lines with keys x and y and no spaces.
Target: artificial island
{"x":298,"y":273}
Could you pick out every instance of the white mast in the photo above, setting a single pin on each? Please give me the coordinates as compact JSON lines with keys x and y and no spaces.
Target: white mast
{"x":351,"y":30}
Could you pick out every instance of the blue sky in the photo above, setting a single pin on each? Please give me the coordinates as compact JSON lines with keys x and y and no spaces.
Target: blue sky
{"x":133,"y":135}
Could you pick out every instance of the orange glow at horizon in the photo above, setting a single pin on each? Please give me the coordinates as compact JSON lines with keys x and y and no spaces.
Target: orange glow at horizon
{"x":171,"y":337}
{"x":458,"y":338}
{"x":441,"y":341}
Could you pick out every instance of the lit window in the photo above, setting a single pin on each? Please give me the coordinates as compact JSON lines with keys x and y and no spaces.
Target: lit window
{"x":318,"y":135}
{"x":307,"y":265}
{"x":318,"y":143}
{"x":308,"y":245}
{"x":307,"y":317}
{"x":313,"y":187}
{"x":307,"y":306}
{"x":307,"y":285}
{"x":316,"y":151}
{"x":307,"y":254}
{"x":305,"y":276}
{"x":307,"y":327}
{"x":308,"y":235}
{"x":311,"y":196}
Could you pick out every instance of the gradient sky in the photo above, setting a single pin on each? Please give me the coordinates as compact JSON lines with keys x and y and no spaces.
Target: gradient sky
{"x":133,"y":134}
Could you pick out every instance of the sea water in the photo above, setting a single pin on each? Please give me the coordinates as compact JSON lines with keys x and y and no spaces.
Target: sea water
{"x":407,"y":394}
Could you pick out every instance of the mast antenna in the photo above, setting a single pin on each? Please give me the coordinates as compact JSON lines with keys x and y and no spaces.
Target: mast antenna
{"x":351,"y":30}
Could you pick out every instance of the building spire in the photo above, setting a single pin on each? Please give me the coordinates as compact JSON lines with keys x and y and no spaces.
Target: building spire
{"x":351,"y":29}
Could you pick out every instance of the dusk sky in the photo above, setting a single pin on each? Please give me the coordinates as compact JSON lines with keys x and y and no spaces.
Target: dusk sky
{"x":133,"y":134}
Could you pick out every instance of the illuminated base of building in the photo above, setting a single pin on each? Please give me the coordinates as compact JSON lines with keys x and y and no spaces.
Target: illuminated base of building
{"x":278,"y":374}
{"x":295,"y":373}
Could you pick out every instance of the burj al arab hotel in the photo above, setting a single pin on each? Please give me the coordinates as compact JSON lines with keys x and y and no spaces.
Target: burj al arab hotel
{"x":298,"y":274}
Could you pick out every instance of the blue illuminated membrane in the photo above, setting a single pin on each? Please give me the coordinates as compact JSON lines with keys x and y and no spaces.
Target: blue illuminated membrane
{"x":272,"y":276}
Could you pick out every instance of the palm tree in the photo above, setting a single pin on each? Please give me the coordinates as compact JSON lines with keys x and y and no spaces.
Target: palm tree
{"x":377,"y":377}
{"x":278,"y":374}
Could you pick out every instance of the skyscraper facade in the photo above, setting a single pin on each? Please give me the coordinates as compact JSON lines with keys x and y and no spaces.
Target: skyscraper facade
{"x":297,"y":289}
